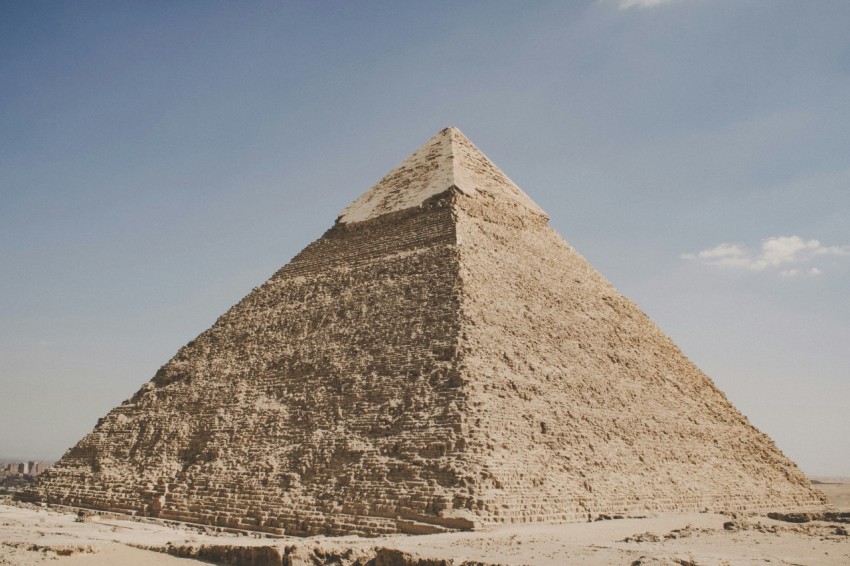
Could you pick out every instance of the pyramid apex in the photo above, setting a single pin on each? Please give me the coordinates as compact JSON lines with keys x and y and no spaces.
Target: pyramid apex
{"x":448,"y":160}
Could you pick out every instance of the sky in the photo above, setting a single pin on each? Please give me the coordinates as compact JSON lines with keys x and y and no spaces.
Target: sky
{"x":158,"y":160}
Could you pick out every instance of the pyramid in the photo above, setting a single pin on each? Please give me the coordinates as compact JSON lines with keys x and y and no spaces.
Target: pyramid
{"x":439,"y":359}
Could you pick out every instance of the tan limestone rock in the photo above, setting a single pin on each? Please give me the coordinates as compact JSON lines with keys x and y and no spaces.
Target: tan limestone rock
{"x":439,"y":359}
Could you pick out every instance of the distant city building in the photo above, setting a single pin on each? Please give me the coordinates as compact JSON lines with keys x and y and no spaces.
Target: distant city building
{"x":30,"y":468}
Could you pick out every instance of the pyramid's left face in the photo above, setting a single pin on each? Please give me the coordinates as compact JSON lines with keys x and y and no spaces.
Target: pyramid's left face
{"x":427,"y":172}
{"x":333,"y":386}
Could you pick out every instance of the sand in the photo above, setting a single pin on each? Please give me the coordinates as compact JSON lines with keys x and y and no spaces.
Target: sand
{"x":30,"y":535}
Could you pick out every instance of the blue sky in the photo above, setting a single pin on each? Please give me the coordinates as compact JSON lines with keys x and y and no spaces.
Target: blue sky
{"x":160,"y":159}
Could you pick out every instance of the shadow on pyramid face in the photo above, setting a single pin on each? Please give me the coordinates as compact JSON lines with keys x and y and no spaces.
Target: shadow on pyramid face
{"x":440,"y":359}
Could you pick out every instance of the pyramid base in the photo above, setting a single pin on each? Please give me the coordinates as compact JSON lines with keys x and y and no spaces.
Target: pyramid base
{"x":314,"y":523}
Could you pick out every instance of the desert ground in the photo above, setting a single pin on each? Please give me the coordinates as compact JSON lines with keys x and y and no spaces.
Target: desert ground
{"x":34,"y":535}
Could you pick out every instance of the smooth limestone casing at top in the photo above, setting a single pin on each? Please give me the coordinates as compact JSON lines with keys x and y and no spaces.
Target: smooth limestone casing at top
{"x":439,"y":358}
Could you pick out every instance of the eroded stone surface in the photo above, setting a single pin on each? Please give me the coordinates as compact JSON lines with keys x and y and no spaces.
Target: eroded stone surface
{"x":447,"y":160}
{"x":440,"y":358}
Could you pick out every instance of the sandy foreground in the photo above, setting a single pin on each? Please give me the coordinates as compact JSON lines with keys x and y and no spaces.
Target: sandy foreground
{"x":30,"y":535}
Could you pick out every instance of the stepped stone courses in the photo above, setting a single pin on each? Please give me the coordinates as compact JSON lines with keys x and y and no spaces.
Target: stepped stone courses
{"x":440,"y":358}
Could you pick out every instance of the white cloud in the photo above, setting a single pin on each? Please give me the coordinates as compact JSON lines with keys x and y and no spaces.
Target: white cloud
{"x":626,"y":4}
{"x":775,"y":252}
{"x":811,"y":272}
